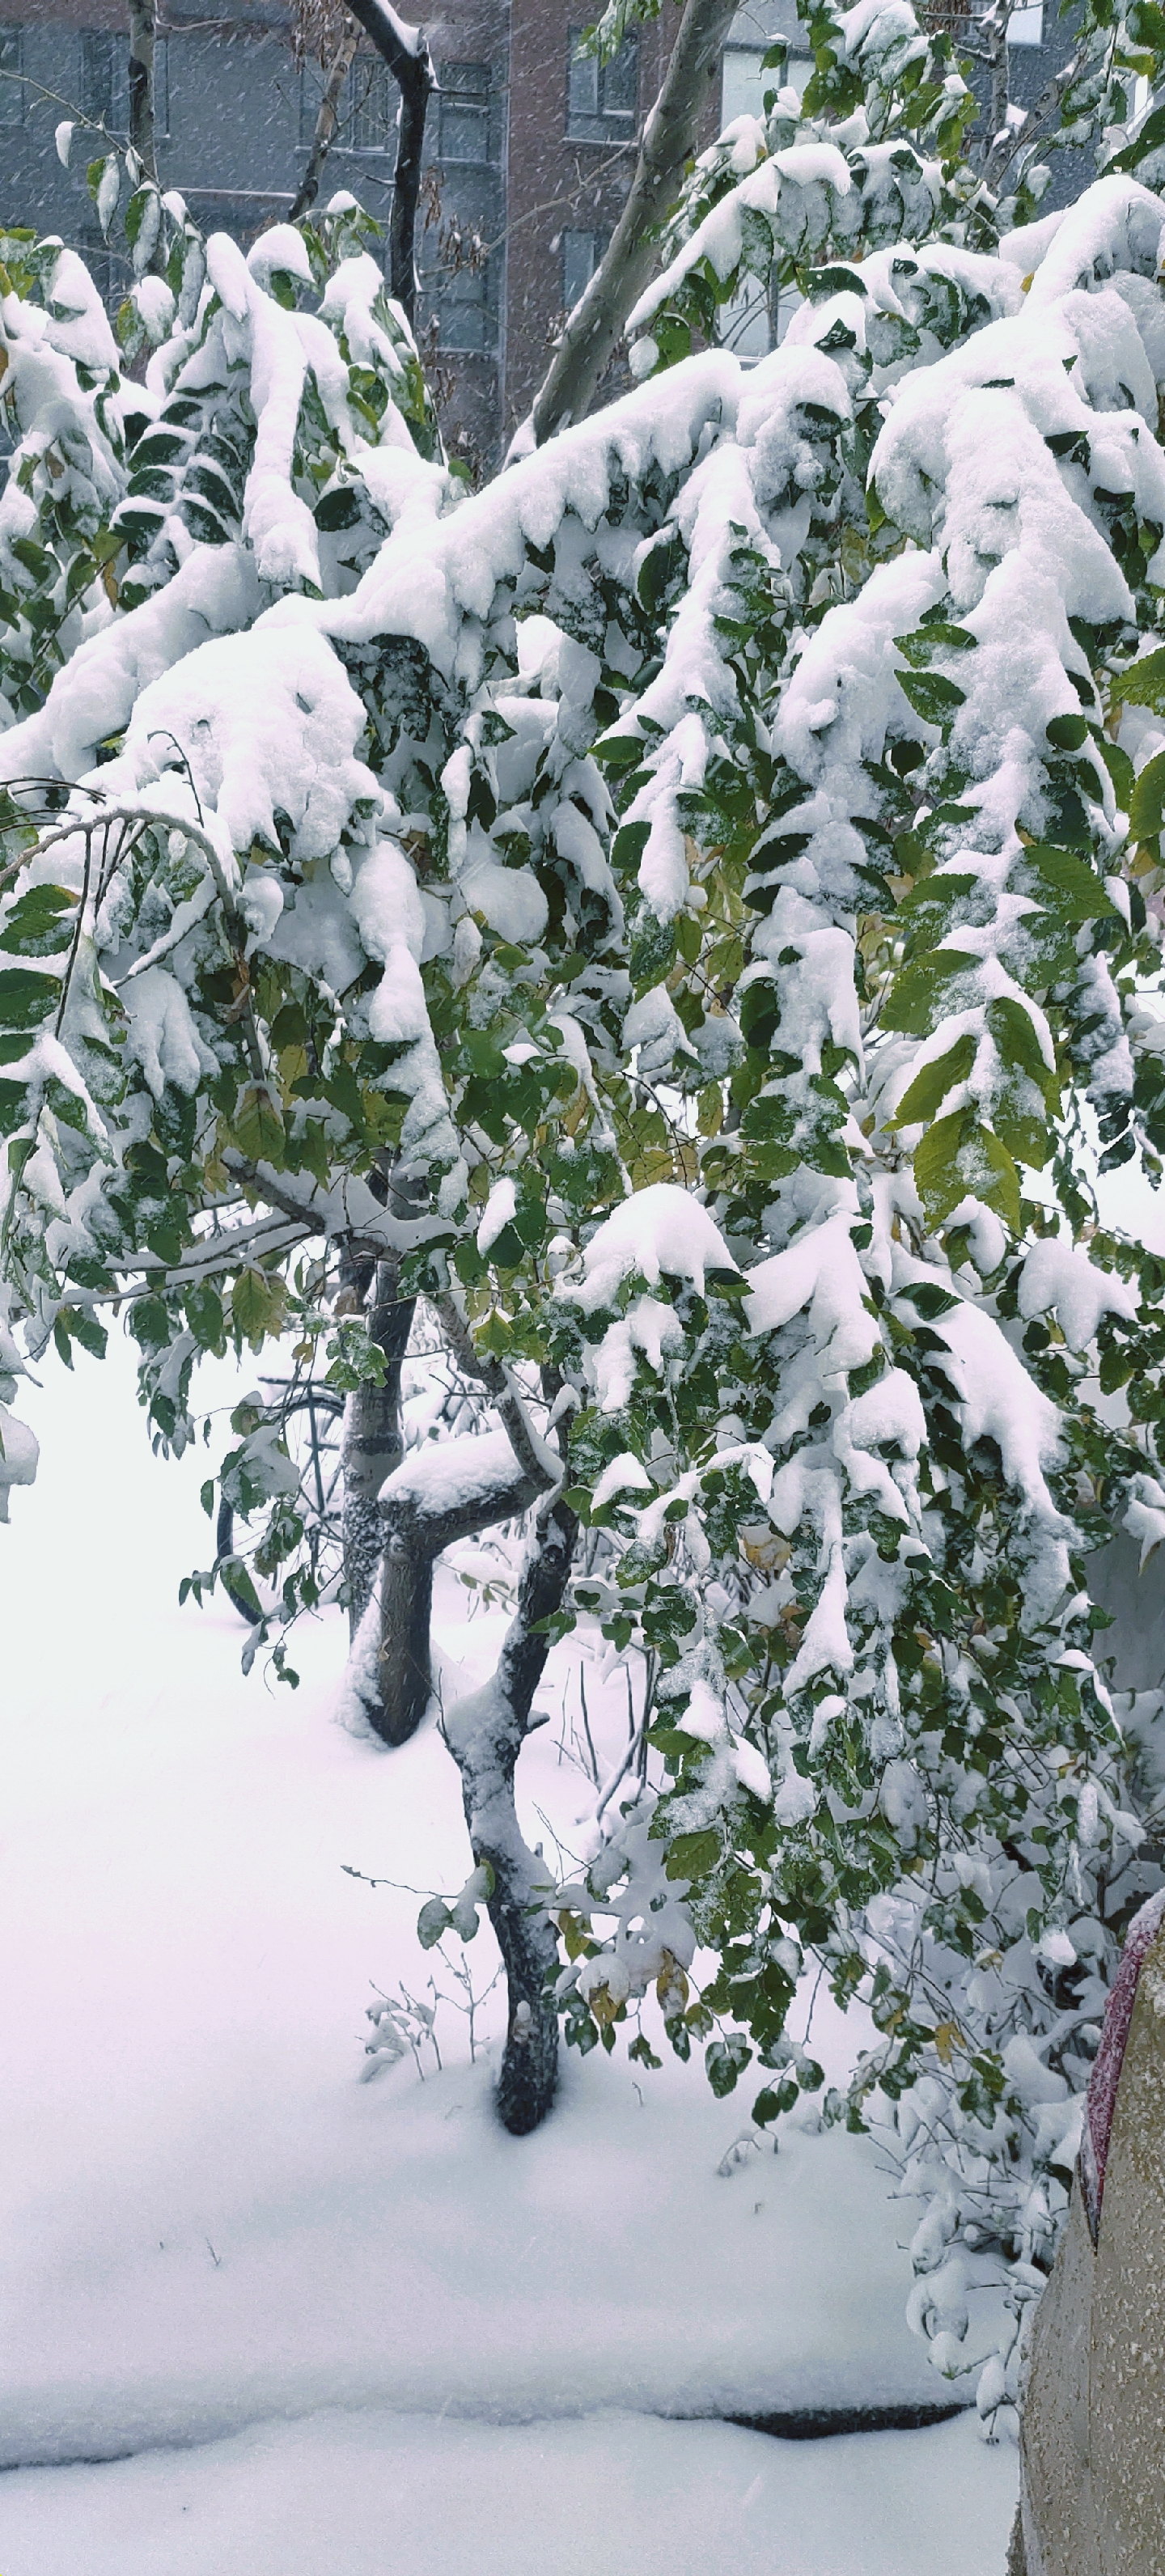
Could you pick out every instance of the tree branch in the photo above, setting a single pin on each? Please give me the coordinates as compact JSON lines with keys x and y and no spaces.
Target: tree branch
{"x":407,"y":55}
{"x":531,"y":1452}
{"x":142,"y":14}
{"x":430,"y":1533}
{"x":670,"y":136}
{"x":326,"y":122}
{"x":1007,"y":144}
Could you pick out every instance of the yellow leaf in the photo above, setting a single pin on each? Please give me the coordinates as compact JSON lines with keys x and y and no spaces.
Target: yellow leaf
{"x":769,"y":1554}
{"x":671,"y":1986}
{"x":947,"y":2038}
{"x":711,"y":1110}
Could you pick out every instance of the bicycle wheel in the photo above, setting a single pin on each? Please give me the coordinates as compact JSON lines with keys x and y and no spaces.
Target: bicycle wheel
{"x":311,"y":1424}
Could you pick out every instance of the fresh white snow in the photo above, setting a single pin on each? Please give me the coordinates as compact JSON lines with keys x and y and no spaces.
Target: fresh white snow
{"x":352,"y":2324}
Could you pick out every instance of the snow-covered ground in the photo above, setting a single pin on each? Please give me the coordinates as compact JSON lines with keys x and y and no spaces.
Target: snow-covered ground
{"x":262,"y":2319}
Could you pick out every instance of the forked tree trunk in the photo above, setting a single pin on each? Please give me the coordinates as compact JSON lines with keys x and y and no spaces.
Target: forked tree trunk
{"x":399,"y":1519}
{"x":485,"y":1735}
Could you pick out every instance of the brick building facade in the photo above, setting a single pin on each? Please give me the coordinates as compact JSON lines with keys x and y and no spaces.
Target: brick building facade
{"x":529,"y":147}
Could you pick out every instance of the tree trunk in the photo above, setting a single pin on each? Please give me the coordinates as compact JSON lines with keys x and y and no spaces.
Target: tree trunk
{"x":1000,"y":82}
{"x":670,"y":136}
{"x":407,"y":56}
{"x":142,"y":16}
{"x":373,"y":1439}
{"x":413,"y":1536}
{"x":326,"y":121}
{"x":485,"y":1735}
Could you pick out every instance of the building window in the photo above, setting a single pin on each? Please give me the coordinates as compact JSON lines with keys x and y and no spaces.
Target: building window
{"x":1026,"y":26}
{"x":105,"y":82}
{"x":602,"y":99}
{"x":463,"y":112}
{"x":370,"y":125}
{"x":11,"y":88}
{"x":581,"y":253}
{"x":459,"y":303}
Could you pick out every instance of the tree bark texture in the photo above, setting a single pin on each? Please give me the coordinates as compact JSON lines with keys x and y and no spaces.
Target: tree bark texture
{"x":670,"y":136}
{"x":411,"y":1532}
{"x":326,"y":122}
{"x":412,"y":1539}
{"x":413,"y":73}
{"x":142,"y":19}
{"x":373,"y":1440}
{"x":485,"y":1735}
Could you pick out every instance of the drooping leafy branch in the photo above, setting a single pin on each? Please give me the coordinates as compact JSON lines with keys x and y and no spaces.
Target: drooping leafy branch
{"x":687,"y":909}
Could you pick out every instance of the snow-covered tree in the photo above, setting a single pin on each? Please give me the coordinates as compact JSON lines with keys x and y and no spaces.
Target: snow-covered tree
{"x":690,"y":913}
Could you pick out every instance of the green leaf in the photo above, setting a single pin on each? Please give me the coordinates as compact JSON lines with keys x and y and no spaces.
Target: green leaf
{"x":25,"y":998}
{"x":918,"y":998}
{"x":929,"y":1298}
{"x":338,"y":509}
{"x":693,"y":1855}
{"x":1147,"y":803}
{"x":257,"y":1304}
{"x":931,"y":694}
{"x":1150,"y":138}
{"x":433,"y":1921}
{"x":33,"y":927}
{"x":1067,"y":733}
{"x":774,"y":2099}
{"x":619,"y":751}
{"x":724,"y":2064}
{"x":257,"y":1127}
{"x":1065,"y":883}
{"x":929,"y":1088}
{"x":1015,"y":1037}
{"x":13,"y":1107}
{"x":1143,"y":684}
{"x":1120,"y":770}
{"x":959,"y":1158}
{"x":920,"y":647}
{"x":85,"y":1329}
{"x":135,"y":211}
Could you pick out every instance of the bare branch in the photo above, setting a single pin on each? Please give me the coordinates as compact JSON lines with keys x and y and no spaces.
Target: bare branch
{"x":326,"y":121}
{"x":407,"y":55}
{"x":1036,"y":122}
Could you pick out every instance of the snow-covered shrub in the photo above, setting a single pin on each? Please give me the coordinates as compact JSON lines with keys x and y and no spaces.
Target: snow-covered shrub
{"x":684,"y":904}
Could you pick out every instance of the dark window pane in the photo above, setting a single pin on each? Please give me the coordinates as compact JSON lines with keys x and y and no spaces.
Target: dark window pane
{"x":372,"y":120}
{"x":459,"y":301}
{"x":583,"y":80}
{"x":602,"y":98}
{"x":620,"y":81}
{"x":468,"y":80}
{"x":464,"y":131}
{"x":580,"y":258}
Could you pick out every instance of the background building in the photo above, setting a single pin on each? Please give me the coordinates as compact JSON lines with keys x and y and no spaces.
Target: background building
{"x":529,"y":151}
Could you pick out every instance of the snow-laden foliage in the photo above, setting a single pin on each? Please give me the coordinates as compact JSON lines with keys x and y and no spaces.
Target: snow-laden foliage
{"x":692,"y":905}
